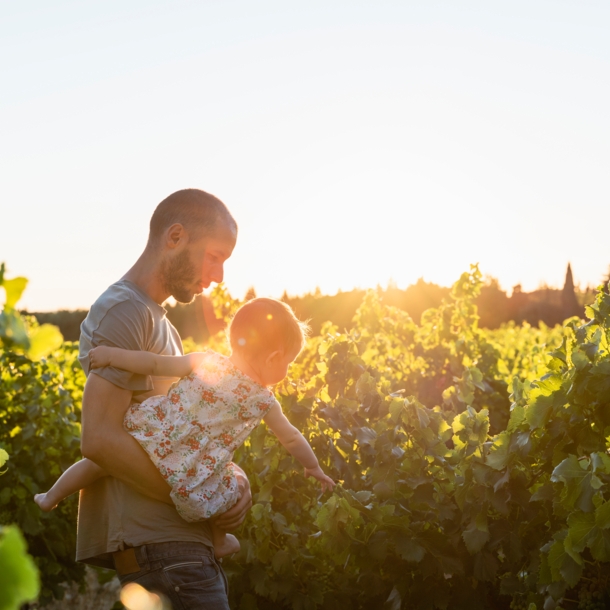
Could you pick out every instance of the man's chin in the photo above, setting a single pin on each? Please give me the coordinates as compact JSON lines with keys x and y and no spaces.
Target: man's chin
{"x":184,"y":297}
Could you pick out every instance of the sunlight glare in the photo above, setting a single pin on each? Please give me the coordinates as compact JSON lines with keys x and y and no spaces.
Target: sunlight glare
{"x":136,"y":597}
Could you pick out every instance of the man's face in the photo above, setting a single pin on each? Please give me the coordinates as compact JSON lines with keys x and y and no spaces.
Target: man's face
{"x":194,"y":268}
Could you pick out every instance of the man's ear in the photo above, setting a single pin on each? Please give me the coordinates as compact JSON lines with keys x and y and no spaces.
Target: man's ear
{"x":175,"y":236}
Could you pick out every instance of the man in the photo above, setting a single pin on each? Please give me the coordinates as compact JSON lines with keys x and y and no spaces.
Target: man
{"x":127,"y":521}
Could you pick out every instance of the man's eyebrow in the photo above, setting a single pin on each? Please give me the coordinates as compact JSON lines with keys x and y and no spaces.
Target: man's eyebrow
{"x":219,"y":251}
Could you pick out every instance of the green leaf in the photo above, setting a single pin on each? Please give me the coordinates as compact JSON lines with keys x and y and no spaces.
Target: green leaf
{"x":475,"y":536}
{"x":43,"y":340}
{"x":538,"y":411}
{"x":602,"y":515}
{"x":408,"y":549}
{"x":579,"y":359}
{"x":557,"y":556}
{"x":12,"y":327}
{"x":498,"y":455}
{"x":363,"y":496}
{"x":14,"y":289}
{"x":282,"y":563}
{"x":3,"y":457}
{"x":394,"y":600}
{"x":580,"y":526}
{"x":19,"y":582}
{"x":599,"y":544}
{"x":578,"y":492}
{"x":571,"y":571}
{"x":485,"y":566}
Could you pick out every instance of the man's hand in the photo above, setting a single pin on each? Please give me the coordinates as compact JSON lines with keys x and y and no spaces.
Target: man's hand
{"x":235,"y":516}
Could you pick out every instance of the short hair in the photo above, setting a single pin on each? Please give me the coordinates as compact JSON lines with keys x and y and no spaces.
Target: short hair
{"x":263,"y":325}
{"x":197,"y":211}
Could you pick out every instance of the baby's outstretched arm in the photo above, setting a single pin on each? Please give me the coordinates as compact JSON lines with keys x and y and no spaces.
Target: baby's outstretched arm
{"x":144,"y":363}
{"x":296,"y":445}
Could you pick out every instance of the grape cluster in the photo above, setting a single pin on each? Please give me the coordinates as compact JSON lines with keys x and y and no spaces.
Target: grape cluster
{"x":592,"y":596}
{"x":325,"y":581}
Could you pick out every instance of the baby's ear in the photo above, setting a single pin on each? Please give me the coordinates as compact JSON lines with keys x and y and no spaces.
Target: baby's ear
{"x":275,"y":355}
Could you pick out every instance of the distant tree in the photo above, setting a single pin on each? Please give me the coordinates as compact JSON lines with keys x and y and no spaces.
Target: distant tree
{"x":68,"y":321}
{"x":569,"y":302}
{"x":606,"y":280}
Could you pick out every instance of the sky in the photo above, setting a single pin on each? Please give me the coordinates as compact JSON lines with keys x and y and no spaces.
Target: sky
{"x":356,"y":143}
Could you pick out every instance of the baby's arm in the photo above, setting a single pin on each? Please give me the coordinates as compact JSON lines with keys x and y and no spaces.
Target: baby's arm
{"x":144,"y":363}
{"x":296,"y":445}
{"x":79,"y":475}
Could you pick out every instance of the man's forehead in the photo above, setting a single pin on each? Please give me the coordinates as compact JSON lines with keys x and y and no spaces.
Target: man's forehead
{"x":216,"y":244}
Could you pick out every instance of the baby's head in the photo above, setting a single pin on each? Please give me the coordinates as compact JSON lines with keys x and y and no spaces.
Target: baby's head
{"x":268,"y":335}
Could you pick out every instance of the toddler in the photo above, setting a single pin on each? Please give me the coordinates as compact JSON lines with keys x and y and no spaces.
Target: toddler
{"x":191,"y":434}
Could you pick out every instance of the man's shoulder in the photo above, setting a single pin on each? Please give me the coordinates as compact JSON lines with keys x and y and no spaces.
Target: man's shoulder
{"x":119,"y":307}
{"x":122,"y":299}
{"x":122,"y":294}
{"x":122,"y":317}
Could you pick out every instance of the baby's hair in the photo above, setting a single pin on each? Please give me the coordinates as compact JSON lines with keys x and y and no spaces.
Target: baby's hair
{"x":264,"y":325}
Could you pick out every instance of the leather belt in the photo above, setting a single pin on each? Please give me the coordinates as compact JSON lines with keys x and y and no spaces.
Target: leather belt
{"x":125,"y":562}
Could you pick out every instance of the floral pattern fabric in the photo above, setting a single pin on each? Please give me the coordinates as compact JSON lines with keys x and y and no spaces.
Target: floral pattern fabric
{"x":192,"y":433}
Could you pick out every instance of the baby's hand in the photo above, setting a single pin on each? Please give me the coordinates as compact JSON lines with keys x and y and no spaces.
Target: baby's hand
{"x":99,"y":357}
{"x":317,"y":473}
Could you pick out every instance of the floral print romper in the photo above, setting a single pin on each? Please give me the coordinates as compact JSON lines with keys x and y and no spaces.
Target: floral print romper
{"x":191,"y":434}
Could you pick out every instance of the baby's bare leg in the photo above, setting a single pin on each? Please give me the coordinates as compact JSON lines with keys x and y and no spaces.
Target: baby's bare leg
{"x":79,"y":475}
{"x":224,"y":543}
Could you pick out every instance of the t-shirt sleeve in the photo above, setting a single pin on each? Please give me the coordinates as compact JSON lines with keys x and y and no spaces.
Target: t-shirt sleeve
{"x":125,"y":325}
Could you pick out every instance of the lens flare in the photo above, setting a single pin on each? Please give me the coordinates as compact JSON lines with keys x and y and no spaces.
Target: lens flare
{"x":135,"y":597}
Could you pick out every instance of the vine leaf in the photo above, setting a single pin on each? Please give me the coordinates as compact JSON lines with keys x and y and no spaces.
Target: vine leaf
{"x":476,"y":535}
{"x":602,"y":516}
{"x":574,"y":474}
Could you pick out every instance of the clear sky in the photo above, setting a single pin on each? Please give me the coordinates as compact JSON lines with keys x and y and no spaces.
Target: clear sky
{"x":355,"y":142}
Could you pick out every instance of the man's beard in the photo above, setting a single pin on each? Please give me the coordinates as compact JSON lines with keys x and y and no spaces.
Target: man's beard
{"x":178,"y":275}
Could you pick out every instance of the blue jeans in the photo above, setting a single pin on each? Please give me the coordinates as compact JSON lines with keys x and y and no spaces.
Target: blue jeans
{"x":185,"y":572}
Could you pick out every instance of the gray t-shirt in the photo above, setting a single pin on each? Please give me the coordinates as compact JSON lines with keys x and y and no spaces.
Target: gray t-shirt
{"x":112,"y":515}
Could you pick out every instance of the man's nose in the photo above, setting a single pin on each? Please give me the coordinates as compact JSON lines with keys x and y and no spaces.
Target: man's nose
{"x":217,"y":273}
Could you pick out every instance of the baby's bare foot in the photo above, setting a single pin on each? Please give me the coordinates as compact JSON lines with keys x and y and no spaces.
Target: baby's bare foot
{"x":44,"y":502}
{"x":228,"y":546}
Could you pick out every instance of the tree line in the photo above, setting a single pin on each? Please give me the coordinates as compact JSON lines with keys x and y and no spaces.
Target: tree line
{"x":549,"y":306}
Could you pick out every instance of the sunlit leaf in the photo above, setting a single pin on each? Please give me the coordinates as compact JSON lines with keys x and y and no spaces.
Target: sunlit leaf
{"x":14,"y":289}
{"x":43,"y":340}
{"x":19,"y":581}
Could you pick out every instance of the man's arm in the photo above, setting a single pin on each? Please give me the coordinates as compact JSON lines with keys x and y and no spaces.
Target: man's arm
{"x":110,"y":446}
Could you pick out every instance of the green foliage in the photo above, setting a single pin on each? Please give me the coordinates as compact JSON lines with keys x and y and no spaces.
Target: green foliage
{"x":39,"y":428}
{"x":23,"y":333}
{"x":473,"y":464}
{"x":19,"y":580}
{"x":39,"y":420}
{"x":462,"y":485}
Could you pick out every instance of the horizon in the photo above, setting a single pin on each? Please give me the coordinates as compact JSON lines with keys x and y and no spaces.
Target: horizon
{"x":353,"y":143}
{"x":390,"y":285}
